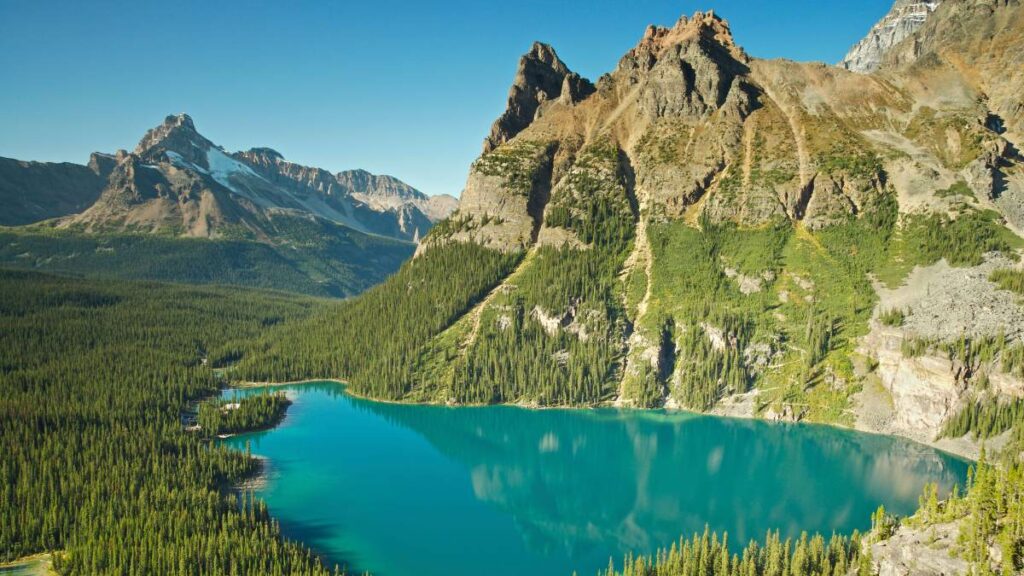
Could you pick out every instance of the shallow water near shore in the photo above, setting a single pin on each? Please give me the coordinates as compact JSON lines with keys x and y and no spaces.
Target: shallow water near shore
{"x":402,"y":490}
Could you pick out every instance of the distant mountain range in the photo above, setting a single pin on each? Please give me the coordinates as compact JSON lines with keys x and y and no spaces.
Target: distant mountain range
{"x":353,"y":227}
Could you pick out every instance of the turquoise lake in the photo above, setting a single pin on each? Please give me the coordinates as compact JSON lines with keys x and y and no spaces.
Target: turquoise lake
{"x":404,"y":490}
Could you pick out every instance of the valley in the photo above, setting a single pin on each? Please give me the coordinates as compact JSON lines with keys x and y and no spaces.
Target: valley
{"x":708,"y":314}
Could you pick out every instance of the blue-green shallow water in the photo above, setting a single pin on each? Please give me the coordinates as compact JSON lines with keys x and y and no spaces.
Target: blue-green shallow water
{"x":406,"y":490}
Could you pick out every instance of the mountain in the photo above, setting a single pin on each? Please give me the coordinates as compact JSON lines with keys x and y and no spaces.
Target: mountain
{"x":902,"y":21}
{"x":178,"y":180}
{"x":384,"y":193}
{"x":34,"y":191}
{"x":707,"y":230}
{"x":181,"y":208}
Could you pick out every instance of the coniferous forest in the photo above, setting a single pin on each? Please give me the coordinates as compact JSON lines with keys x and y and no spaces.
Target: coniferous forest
{"x":245,"y":414}
{"x":96,"y":466}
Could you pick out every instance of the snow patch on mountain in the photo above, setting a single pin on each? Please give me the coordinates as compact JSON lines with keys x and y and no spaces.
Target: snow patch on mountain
{"x":224,"y":167}
{"x":179,"y":161}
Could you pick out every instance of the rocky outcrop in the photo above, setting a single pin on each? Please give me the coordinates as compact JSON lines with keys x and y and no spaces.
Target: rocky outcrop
{"x":917,"y":394}
{"x":905,"y":18}
{"x":925,"y":392}
{"x":177,"y":134}
{"x":924,"y":551}
{"x":997,"y":174}
{"x":687,"y":70}
{"x":503,"y":203}
{"x":541,"y":78}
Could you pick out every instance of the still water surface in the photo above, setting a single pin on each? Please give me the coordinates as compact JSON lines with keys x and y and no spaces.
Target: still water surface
{"x":404,"y":490}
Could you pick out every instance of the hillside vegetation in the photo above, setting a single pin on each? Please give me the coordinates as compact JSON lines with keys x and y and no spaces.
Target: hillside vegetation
{"x":97,"y":467}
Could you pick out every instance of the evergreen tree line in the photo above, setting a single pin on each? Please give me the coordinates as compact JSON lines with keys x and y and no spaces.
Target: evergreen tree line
{"x":709,"y":369}
{"x":962,"y":241}
{"x":254,"y":412}
{"x":95,"y":464}
{"x":986,"y":418}
{"x":708,"y":555}
{"x":514,"y":358}
{"x":989,"y":515}
{"x":375,"y":341}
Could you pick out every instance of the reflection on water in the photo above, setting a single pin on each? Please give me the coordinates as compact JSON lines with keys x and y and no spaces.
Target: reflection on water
{"x":552,"y":491}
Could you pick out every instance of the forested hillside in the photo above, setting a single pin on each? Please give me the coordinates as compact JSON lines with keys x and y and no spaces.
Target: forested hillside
{"x":97,"y":467}
{"x":317,"y":258}
{"x":102,"y":472}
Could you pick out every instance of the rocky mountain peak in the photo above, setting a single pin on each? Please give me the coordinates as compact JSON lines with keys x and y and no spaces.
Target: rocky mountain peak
{"x":687,"y":70}
{"x":268,"y":153}
{"x":706,"y":27}
{"x":177,"y":134}
{"x":541,"y":77}
{"x":265,"y":157}
{"x":904,"y":19}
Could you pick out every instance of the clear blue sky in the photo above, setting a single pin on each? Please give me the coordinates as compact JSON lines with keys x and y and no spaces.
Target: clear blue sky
{"x":407,"y":88}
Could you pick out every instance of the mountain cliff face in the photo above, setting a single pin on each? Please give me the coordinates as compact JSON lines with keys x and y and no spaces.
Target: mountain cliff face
{"x":902,"y":21}
{"x":752,"y":237}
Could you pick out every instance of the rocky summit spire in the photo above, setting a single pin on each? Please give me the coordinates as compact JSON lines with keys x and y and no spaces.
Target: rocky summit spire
{"x":177,"y":134}
{"x":702,"y":26}
{"x":904,"y":18}
{"x":541,"y":77}
{"x":687,"y":70}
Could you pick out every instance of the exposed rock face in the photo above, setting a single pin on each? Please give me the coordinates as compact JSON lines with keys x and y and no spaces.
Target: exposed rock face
{"x":687,"y":70}
{"x":178,"y":181}
{"x":941,"y":304}
{"x":925,"y":393}
{"x":905,"y":18}
{"x":177,"y":134}
{"x":542,"y":77}
{"x":705,"y":131}
{"x":506,"y":192}
{"x":34,"y":191}
{"x":919,"y":552}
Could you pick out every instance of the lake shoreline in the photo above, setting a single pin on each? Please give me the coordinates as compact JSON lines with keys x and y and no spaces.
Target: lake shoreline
{"x":960,"y":447}
{"x":38,"y":564}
